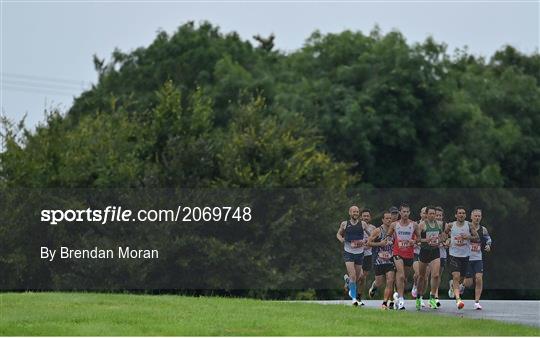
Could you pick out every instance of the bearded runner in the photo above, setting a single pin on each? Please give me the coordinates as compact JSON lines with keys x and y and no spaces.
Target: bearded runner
{"x":475,"y":268}
{"x":383,"y":265}
{"x":351,"y":234}
{"x":461,"y":233}
{"x":430,"y":237}
{"x":404,"y":234}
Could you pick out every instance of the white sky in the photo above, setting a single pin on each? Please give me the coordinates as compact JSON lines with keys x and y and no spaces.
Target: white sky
{"x":47,"y":47}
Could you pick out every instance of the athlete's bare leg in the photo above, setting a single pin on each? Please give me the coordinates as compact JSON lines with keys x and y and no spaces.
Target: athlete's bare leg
{"x":427,"y":276}
{"x":435,"y":276}
{"x":354,"y":271}
{"x":379,"y":281}
{"x":422,"y":271}
{"x":416,"y":273}
{"x":408,"y":271}
{"x":400,"y":276}
{"x":361,"y":283}
{"x":456,"y":278}
{"x":359,"y":273}
{"x":351,"y":271}
{"x":389,"y":290}
{"x":478,"y":279}
{"x":440,"y":272}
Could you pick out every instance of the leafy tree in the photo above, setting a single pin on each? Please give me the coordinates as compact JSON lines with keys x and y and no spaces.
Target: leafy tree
{"x":203,"y":109}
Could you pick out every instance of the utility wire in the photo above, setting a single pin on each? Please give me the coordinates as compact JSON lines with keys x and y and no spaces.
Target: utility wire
{"x":42,"y":78}
{"x":24,"y":89}
{"x":41,"y":85}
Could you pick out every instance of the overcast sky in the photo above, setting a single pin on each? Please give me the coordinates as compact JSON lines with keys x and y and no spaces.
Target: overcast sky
{"x":47,"y":47}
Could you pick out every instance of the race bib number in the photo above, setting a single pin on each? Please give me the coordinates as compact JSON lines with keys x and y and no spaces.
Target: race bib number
{"x":459,"y":241}
{"x":433,"y":240}
{"x":475,"y":247}
{"x":403,"y":244}
{"x":386,"y":255}
{"x":358,"y":243}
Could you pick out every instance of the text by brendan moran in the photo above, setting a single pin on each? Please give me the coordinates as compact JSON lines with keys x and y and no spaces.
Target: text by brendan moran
{"x":97,"y":253}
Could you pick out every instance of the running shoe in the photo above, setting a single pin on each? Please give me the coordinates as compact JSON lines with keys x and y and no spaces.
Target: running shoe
{"x":401,"y":305}
{"x":433,"y":303}
{"x":450,"y":289}
{"x":384,"y":306}
{"x":361,"y":303}
{"x":414,"y":291}
{"x":354,"y":302}
{"x":438,"y":303}
{"x":477,"y":306}
{"x":372,"y":290}
{"x":391,"y":305}
{"x":422,"y":302}
{"x":418,"y":304}
{"x":460,"y":305}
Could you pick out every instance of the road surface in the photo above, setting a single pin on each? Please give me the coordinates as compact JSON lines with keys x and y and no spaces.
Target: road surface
{"x":514,"y":311}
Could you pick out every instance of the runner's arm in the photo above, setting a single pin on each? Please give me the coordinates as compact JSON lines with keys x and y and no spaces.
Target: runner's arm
{"x":340,"y":232}
{"x":447,"y":243}
{"x":370,"y":229}
{"x":474,"y":233}
{"x":365,"y":226}
{"x":487,"y":237}
{"x":448,"y":228}
{"x":391,"y":230}
{"x":374,"y":234}
{"x":417,"y":232}
{"x":443,"y":236}
{"x":367,"y":230}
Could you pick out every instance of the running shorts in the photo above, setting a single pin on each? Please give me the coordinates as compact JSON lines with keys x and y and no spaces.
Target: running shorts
{"x":406,"y":261}
{"x":368,"y":263}
{"x":458,"y":264}
{"x":356,"y":258}
{"x":473,"y":268}
{"x":427,"y":255}
{"x":382,"y":269}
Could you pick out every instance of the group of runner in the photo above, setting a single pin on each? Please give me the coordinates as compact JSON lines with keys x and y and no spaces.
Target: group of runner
{"x":400,"y":246}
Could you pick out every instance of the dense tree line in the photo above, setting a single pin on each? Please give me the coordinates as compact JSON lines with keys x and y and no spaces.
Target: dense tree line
{"x":204,"y":109}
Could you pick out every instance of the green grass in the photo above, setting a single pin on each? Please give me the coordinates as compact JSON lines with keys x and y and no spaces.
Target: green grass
{"x":96,"y":314}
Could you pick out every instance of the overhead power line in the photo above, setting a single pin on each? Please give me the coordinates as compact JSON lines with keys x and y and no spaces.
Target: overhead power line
{"x":41,"y":85}
{"x":19,"y":88}
{"x":43,"y":78}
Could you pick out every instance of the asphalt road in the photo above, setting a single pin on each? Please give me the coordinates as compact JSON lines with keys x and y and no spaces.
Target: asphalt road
{"x":514,"y":311}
